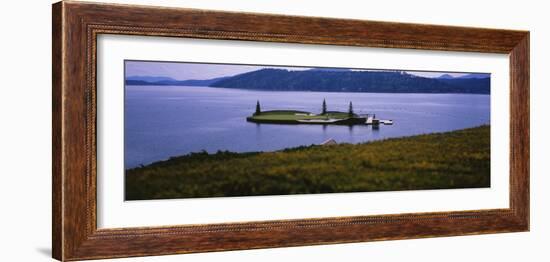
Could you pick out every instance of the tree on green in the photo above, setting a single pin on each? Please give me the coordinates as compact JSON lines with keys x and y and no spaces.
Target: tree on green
{"x":350,"y":110}
{"x":258,"y":109}
{"x":324,"y":112}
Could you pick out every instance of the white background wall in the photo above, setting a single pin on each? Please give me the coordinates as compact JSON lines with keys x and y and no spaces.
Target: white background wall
{"x":25,"y":117}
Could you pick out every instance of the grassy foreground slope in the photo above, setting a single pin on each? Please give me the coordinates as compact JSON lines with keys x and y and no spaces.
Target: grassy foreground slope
{"x":458,"y":159}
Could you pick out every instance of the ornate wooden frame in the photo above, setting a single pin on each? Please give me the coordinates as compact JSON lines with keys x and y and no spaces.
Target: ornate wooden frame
{"x":76,"y":26}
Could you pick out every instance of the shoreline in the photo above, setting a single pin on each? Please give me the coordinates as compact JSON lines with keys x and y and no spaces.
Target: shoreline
{"x":447,"y":160}
{"x":308,"y":91}
{"x":291,"y":148}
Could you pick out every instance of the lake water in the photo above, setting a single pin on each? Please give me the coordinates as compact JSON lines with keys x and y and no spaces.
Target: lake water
{"x":165,"y":121}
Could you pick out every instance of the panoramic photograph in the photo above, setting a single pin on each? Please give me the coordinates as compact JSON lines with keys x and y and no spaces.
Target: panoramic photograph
{"x":200,"y":130}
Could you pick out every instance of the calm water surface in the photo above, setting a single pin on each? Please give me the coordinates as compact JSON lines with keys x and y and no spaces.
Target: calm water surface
{"x":165,"y":121}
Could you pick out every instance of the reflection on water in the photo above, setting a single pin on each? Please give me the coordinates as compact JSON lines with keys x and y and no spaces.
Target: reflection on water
{"x":164,"y":121}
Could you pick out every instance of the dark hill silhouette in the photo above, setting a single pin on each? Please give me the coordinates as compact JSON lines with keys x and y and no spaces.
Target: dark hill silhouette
{"x":334,"y":80}
{"x":352,"y":81}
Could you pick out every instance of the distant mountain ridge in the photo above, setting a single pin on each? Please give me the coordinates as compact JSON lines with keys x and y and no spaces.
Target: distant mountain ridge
{"x":474,"y":75}
{"x":467,"y":76}
{"x":167,"y":81}
{"x":150,"y":78}
{"x":446,"y":76}
{"x":337,"y":80}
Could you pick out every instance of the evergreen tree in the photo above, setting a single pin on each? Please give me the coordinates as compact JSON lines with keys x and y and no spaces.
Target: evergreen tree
{"x":258,"y":109}
{"x":324,"y":111}
{"x":350,"y":110}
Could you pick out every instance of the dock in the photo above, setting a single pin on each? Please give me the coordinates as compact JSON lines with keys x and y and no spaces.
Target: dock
{"x":371,"y":120}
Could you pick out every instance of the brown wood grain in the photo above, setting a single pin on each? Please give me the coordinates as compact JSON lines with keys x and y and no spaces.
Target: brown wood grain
{"x":57,"y":195}
{"x":76,"y":26}
{"x":519,"y":129}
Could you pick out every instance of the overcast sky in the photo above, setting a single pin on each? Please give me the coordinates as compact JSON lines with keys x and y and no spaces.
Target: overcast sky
{"x":185,"y":71}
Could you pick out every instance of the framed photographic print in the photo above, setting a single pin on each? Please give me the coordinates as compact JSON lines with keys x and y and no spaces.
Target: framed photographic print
{"x":182,"y":130}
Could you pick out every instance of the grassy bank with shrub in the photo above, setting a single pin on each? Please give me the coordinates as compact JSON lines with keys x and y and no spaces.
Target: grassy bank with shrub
{"x":458,"y":159}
